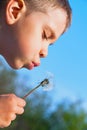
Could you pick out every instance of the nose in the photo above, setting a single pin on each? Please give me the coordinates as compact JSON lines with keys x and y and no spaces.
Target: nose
{"x":44,"y":52}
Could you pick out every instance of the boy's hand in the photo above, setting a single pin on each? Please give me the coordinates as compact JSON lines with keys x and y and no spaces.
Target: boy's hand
{"x":10,"y":105}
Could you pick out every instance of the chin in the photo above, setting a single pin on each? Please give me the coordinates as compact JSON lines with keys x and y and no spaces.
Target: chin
{"x":15,"y":66}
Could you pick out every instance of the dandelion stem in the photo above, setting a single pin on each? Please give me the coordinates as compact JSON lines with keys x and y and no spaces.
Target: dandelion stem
{"x":42,"y":83}
{"x":31,"y":91}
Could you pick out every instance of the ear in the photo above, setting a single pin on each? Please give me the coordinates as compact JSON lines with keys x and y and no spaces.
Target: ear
{"x":14,"y":10}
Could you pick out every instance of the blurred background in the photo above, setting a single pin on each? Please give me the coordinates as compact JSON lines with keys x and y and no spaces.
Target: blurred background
{"x":65,"y":106}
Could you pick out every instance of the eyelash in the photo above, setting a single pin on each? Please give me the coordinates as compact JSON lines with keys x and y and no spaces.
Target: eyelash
{"x":44,"y":36}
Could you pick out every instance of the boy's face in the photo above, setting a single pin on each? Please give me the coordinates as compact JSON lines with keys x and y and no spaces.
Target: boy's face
{"x":31,"y":36}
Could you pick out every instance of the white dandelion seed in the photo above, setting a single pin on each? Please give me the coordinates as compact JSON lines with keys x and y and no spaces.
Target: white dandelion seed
{"x":47,"y":84}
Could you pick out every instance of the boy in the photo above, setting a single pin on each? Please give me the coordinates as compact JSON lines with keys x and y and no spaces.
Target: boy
{"x":27,"y":28}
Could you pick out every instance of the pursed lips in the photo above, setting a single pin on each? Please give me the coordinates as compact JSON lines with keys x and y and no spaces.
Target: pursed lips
{"x":35,"y":64}
{"x":32,"y":65}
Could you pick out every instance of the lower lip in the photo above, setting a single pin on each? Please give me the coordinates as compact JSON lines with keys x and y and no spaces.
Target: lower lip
{"x":36,"y":64}
{"x":31,"y":66}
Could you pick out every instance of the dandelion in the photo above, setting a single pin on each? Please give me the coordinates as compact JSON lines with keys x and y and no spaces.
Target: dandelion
{"x":47,"y":84}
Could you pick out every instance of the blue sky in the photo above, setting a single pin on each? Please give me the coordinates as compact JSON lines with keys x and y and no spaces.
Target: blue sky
{"x":67,"y":59}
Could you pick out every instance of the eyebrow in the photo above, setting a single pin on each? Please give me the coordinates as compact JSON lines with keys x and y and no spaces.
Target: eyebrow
{"x":53,"y":33}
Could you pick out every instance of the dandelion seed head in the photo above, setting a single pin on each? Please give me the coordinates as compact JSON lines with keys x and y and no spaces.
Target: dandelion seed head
{"x":47,"y":83}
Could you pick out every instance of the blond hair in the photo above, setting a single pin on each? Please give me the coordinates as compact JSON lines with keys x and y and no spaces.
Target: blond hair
{"x":44,"y":5}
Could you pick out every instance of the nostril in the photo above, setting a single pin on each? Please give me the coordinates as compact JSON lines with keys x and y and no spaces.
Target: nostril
{"x":44,"y":51}
{"x":43,"y":55}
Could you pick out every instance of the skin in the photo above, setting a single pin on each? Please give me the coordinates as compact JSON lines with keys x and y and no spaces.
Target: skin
{"x":24,"y":39}
{"x":10,"y":105}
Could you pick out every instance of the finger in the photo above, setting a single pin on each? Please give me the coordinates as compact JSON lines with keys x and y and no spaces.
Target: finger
{"x":13,"y":116}
{"x":19,"y":110}
{"x":7,"y":124}
{"x":21,"y":102}
{"x":4,"y":124}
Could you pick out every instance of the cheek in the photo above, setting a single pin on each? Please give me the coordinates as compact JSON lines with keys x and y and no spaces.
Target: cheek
{"x":29,"y":46}
{"x":29,"y":38}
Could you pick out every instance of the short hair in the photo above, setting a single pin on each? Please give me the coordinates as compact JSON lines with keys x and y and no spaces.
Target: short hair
{"x":44,"y":5}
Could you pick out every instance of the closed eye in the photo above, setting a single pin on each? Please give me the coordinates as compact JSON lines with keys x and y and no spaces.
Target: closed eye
{"x":48,"y":37}
{"x":44,"y":36}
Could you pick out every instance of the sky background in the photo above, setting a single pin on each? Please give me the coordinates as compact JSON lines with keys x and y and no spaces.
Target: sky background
{"x":67,"y":59}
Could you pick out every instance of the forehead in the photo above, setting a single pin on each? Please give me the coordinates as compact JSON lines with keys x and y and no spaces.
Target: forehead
{"x":57,"y":21}
{"x":54,"y":20}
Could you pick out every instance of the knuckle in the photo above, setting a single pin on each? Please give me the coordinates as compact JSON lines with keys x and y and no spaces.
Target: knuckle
{"x":7,"y":124}
{"x":14,"y":109}
{"x":21,"y":111}
{"x":12,"y":116}
{"x":6,"y":120}
{"x":12,"y":100}
{"x":24,"y":103}
{"x":12,"y":96}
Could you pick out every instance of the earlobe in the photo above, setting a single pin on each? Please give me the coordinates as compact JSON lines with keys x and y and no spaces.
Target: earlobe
{"x":14,"y":10}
